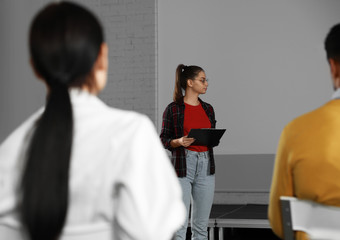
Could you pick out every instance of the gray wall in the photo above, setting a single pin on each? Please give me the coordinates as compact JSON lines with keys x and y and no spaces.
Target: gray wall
{"x":265,"y":60}
{"x":20,"y":92}
{"x":130,"y":29}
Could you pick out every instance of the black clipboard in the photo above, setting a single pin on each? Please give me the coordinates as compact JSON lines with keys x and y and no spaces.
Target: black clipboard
{"x":206,"y":136}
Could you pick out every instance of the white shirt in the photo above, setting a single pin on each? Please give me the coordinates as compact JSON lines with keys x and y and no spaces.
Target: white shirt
{"x":121,"y":180}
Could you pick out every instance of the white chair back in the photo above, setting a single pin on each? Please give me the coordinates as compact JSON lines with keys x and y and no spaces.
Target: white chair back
{"x":317,"y":220}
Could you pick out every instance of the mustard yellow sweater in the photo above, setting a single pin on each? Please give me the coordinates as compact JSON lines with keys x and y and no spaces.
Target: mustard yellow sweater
{"x":307,"y":164}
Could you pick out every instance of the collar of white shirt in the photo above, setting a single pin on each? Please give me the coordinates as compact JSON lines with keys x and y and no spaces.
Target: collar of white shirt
{"x":336,"y":94}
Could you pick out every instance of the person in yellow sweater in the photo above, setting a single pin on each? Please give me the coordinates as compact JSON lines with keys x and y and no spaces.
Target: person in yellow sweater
{"x":307,"y":164}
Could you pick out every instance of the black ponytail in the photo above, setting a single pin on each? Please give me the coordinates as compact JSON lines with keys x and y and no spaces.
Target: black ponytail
{"x":183,"y":73}
{"x":65,"y":40}
{"x":45,"y":180}
{"x":178,"y":94}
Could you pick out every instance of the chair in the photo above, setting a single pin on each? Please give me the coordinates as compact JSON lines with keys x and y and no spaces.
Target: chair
{"x":317,"y":220}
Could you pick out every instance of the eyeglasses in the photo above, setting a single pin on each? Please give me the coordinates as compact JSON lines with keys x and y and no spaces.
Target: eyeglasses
{"x":203,"y":80}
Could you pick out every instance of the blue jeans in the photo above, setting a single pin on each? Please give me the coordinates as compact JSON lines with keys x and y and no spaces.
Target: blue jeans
{"x":198,"y":186}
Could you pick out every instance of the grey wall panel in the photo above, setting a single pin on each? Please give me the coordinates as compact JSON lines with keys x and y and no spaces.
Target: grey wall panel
{"x":244,"y":172}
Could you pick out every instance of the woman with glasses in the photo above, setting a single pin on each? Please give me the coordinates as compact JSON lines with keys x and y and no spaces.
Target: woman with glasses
{"x":194,"y":164}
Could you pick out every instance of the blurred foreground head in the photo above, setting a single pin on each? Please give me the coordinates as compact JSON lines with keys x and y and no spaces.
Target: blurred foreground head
{"x":332,"y":47}
{"x":64,"y":42}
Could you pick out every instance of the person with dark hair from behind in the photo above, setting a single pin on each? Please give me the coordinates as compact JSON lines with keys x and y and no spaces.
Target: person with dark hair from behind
{"x":307,"y":164}
{"x":78,"y":169}
{"x":194,"y":164}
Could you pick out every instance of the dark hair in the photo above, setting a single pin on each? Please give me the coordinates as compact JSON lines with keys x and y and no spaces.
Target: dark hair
{"x":332,"y":43}
{"x":183,"y":73}
{"x":64,"y":44}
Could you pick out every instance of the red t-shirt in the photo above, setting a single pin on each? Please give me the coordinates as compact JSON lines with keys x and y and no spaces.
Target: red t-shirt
{"x":195,"y":117}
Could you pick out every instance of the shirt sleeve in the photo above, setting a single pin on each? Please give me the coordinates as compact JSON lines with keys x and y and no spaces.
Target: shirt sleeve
{"x":167,"y":132}
{"x":281,"y":184}
{"x":148,"y":196}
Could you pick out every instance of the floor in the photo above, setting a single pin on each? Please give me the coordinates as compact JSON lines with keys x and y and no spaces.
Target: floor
{"x":256,"y":227}
{"x":243,"y":234}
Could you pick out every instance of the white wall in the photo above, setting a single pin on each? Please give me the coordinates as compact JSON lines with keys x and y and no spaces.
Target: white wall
{"x":265,"y":60}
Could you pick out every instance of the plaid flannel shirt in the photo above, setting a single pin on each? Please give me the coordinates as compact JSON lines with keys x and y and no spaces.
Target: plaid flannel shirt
{"x":172,"y":128}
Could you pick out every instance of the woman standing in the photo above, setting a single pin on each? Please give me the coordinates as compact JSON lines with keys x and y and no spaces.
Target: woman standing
{"x":194,"y":165}
{"x":77,"y":168}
